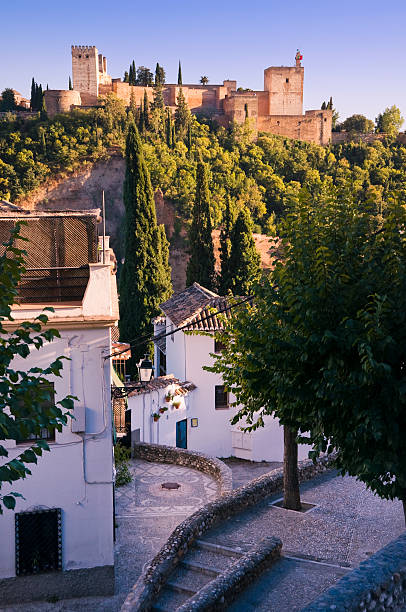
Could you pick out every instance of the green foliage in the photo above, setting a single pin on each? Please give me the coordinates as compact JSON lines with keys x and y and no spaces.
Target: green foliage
{"x":182,"y":115}
{"x":225,"y":279}
{"x":70,"y":84}
{"x":244,"y":263}
{"x":200,"y":267}
{"x":180,"y":74}
{"x":122,"y":457}
{"x":144,"y":77}
{"x":324,"y":346}
{"x":145,"y":275}
{"x":25,"y":408}
{"x":358,"y":123}
{"x":7,"y":102}
{"x":160,"y":76}
{"x":204,"y":80}
{"x":390,"y":121}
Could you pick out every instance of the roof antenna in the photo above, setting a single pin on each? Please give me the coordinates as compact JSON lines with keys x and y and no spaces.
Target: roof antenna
{"x":104,"y":227}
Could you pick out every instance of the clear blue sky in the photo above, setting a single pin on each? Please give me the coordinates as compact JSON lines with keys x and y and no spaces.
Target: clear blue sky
{"x":353,"y":50}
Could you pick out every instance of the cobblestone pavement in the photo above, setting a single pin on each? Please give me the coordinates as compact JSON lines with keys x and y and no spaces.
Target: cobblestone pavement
{"x":145,"y":517}
{"x":244,"y":471}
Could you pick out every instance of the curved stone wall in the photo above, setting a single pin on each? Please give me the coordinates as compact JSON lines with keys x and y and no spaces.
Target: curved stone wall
{"x":61,"y":100}
{"x":193,"y":459}
{"x":156,"y":573}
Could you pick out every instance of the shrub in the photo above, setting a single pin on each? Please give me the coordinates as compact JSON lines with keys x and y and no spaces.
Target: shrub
{"x":122,"y":457}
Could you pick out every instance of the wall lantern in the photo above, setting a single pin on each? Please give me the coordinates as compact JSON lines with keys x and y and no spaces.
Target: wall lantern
{"x":145,"y":371}
{"x":194,"y":422}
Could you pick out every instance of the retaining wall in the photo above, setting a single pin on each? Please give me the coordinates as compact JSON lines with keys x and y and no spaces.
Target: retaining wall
{"x":378,"y":584}
{"x":156,"y":573}
{"x":193,"y":459}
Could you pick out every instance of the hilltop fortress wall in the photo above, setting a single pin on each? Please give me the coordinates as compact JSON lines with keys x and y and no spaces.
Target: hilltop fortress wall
{"x":277,"y":109}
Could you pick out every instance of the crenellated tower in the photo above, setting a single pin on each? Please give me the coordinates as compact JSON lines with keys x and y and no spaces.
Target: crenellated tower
{"x":85,"y":72}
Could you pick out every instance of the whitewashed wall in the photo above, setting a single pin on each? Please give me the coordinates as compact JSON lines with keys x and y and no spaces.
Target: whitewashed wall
{"x":77,"y":474}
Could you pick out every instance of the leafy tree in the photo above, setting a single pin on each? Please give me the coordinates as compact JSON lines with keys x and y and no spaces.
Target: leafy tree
{"x":244,"y":263}
{"x":204,"y":80}
{"x":7,"y":102}
{"x":225,"y":279}
{"x":200,"y":267}
{"x":358,"y":123}
{"x":70,"y":84}
{"x":323,"y":347}
{"x":25,"y":409}
{"x":180,"y":74}
{"x":126,"y":77}
{"x":144,"y":281}
{"x":144,"y":76}
{"x":390,"y":121}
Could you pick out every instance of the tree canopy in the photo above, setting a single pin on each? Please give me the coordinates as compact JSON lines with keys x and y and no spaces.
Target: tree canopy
{"x":324,"y":346}
{"x":390,"y":121}
{"x":358,"y":123}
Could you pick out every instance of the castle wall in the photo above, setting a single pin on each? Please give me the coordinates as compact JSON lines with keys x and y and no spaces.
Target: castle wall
{"x":85,"y":69}
{"x":238,"y":105}
{"x":285,"y":87}
{"x":61,"y":100}
{"x":313,"y":126}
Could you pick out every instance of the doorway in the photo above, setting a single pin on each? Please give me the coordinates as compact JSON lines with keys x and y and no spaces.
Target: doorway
{"x":181,"y":434}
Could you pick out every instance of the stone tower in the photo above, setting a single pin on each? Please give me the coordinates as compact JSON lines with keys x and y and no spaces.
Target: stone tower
{"x":85,"y":72}
{"x":285,"y":87}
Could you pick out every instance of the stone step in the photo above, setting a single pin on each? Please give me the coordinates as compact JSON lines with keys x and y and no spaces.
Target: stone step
{"x":220,"y":549}
{"x":200,"y":567}
{"x":187,"y":580}
{"x":169,"y":600}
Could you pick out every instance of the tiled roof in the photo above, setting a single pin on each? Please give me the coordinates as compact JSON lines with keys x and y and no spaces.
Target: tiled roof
{"x":161,"y":382}
{"x":179,"y":308}
{"x":120,"y":350}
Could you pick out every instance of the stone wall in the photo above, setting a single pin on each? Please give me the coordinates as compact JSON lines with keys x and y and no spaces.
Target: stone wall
{"x":313,"y":126}
{"x":61,"y":100}
{"x":192,"y":459}
{"x":285,"y":87}
{"x":378,"y":584}
{"x":156,"y":573}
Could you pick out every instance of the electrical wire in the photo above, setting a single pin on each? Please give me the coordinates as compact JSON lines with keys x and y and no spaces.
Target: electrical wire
{"x":154,"y":338}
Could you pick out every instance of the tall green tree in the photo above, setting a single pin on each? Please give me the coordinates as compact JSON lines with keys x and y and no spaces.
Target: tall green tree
{"x":390,"y":121}
{"x":146,"y":111}
{"x":225,"y":279}
{"x":159,"y":75}
{"x":33,"y":91}
{"x":144,"y":279}
{"x":25,"y":406}
{"x":180,"y":74}
{"x":200,"y":267}
{"x":70,"y":84}
{"x":244,"y":263}
{"x":358,"y":123}
{"x":144,"y":76}
{"x":324,"y":345}
{"x":182,"y":115}
{"x":7,"y":102}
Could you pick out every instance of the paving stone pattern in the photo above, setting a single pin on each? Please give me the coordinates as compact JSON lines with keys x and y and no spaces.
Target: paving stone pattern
{"x":145,"y":515}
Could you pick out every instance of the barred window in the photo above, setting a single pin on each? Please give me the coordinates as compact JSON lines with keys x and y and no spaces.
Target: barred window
{"x":220,"y":398}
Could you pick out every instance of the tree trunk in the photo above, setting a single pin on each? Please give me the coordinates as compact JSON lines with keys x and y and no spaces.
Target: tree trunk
{"x":291,"y":492}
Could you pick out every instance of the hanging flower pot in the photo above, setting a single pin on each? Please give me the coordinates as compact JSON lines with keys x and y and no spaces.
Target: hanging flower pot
{"x":163,"y":409}
{"x":156,"y":416}
{"x":177,"y":402}
{"x":168,"y":398}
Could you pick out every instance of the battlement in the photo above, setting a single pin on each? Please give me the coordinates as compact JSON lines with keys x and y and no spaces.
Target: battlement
{"x":84,"y":49}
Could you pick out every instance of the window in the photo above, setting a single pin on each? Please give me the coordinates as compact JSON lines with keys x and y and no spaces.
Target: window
{"x":218,"y":346}
{"x":79,"y":56}
{"x":220,"y":398}
{"x":38,"y":541}
{"x":162,"y":363}
{"x":287,"y":80}
{"x":45,"y":433}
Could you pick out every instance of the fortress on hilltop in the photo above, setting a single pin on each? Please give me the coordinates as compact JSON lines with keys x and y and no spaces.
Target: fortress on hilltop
{"x":278,"y":109}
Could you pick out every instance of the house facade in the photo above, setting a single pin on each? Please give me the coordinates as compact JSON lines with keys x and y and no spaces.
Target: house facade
{"x":59,"y":540}
{"x":202,"y":420}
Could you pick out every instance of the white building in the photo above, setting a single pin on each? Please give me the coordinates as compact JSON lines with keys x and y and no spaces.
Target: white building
{"x":59,"y":540}
{"x":202,"y":422}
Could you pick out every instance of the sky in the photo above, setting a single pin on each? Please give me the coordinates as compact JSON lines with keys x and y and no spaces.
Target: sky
{"x":352,"y":50}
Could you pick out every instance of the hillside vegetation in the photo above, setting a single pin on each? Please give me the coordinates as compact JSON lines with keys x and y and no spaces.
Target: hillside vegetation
{"x":263,"y":174}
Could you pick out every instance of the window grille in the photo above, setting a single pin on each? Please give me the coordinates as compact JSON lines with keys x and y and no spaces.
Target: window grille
{"x":220,"y":398}
{"x":38,"y":541}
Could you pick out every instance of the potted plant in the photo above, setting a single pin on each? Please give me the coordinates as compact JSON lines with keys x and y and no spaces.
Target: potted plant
{"x":163,"y":409}
{"x":156,"y":416}
{"x":176,"y":402}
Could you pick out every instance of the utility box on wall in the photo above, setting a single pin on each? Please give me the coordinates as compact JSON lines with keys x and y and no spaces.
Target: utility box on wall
{"x":79,"y":420}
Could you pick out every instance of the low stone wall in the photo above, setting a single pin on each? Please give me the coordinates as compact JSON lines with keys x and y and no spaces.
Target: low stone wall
{"x":192,"y":459}
{"x":156,"y":573}
{"x":223,"y":590}
{"x":378,"y":584}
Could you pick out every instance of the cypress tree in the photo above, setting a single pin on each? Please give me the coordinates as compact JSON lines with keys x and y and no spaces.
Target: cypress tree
{"x":180,"y":75}
{"x":189,"y":137}
{"x":173,"y":136}
{"x":43,"y":110}
{"x":244,"y":262}
{"x":159,"y":75}
{"x":126,"y":78}
{"x":144,"y":279}
{"x":200,"y":267}
{"x":146,"y":111}
{"x":33,"y":91}
{"x":323,"y":106}
{"x":141,"y":121}
{"x":70,"y":84}
{"x":134,"y":73}
{"x":168,"y":128}
{"x":182,"y":115}
{"x":225,"y":280}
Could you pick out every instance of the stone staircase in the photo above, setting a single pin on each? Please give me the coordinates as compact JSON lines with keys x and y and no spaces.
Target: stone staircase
{"x":204,"y":562}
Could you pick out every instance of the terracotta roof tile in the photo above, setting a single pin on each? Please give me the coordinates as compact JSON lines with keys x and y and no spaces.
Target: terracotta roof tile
{"x":179,"y":308}
{"x":161,"y":382}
